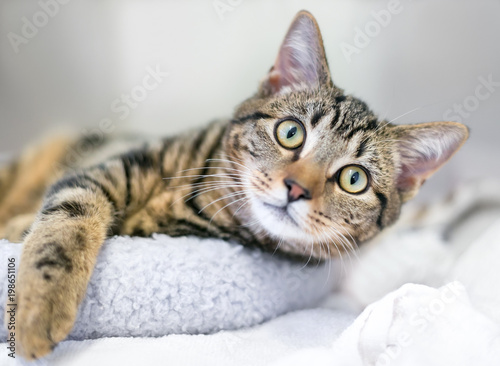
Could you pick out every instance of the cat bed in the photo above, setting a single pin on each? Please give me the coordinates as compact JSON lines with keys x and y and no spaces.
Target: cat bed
{"x":161,"y":285}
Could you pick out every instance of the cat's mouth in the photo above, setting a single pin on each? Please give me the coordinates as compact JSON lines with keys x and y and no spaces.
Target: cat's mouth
{"x":282,"y":221}
{"x":281,"y":212}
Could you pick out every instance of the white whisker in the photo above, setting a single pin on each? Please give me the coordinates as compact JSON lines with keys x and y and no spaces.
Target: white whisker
{"x":229,"y":195}
{"x":230,"y":203}
{"x":229,"y":161}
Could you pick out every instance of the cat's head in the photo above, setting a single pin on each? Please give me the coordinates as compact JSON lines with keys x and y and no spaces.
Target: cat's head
{"x":319,"y":168}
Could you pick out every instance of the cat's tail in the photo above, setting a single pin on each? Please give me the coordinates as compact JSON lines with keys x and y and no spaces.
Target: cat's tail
{"x":7,"y":175}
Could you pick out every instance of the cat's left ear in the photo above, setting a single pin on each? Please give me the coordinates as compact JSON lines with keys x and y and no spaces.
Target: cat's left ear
{"x":301,"y":61}
{"x":422,"y":149}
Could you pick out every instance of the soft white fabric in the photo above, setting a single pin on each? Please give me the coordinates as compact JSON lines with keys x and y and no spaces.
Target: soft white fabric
{"x":413,"y":326}
{"x":162,"y":285}
{"x":419,"y":325}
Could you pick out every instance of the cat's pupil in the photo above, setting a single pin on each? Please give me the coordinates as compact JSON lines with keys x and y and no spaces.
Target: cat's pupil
{"x":291,"y":132}
{"x":354,"y":178}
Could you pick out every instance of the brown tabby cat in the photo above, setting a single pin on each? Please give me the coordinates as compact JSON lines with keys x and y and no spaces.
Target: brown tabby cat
{"x":300,"y":167}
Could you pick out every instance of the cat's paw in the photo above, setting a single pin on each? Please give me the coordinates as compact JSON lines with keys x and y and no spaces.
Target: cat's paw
{"x":45,"y":316}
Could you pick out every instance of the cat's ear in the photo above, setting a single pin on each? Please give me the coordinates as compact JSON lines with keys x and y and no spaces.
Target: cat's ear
{"x":301,"y":61}
{"x":423,"y":149}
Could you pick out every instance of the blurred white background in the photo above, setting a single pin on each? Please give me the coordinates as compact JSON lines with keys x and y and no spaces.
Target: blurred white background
{"x":429,"y":56}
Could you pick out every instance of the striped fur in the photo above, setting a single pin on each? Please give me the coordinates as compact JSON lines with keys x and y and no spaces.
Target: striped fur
{"x":227,"y":180}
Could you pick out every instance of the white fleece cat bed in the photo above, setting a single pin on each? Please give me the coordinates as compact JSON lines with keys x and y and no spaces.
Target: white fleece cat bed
{"x":155,"y":286}
{"x":439,"y":323}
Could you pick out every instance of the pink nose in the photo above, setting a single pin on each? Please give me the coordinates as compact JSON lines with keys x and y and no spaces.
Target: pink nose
{"x":296,"y":191}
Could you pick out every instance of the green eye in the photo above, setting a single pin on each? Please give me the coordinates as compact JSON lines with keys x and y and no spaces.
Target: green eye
{"x":353,"y":179}
{"x":290,"y":134}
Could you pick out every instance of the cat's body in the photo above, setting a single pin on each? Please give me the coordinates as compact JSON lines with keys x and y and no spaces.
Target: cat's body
{"x":300,"y":168}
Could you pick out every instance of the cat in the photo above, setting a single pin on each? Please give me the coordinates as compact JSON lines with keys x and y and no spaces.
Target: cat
{"x":300,"y":168}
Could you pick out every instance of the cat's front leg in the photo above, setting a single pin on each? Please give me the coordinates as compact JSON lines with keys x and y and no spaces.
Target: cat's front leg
{"x":60,"y":251}
{"x":56,"y":264}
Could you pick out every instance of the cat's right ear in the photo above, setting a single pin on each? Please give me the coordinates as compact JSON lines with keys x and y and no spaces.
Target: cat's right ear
{"x":422,"y":149}
{"x":301,"y":61}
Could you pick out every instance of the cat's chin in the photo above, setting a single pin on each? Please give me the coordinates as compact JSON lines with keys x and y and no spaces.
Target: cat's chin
{"x":279,"y":222}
